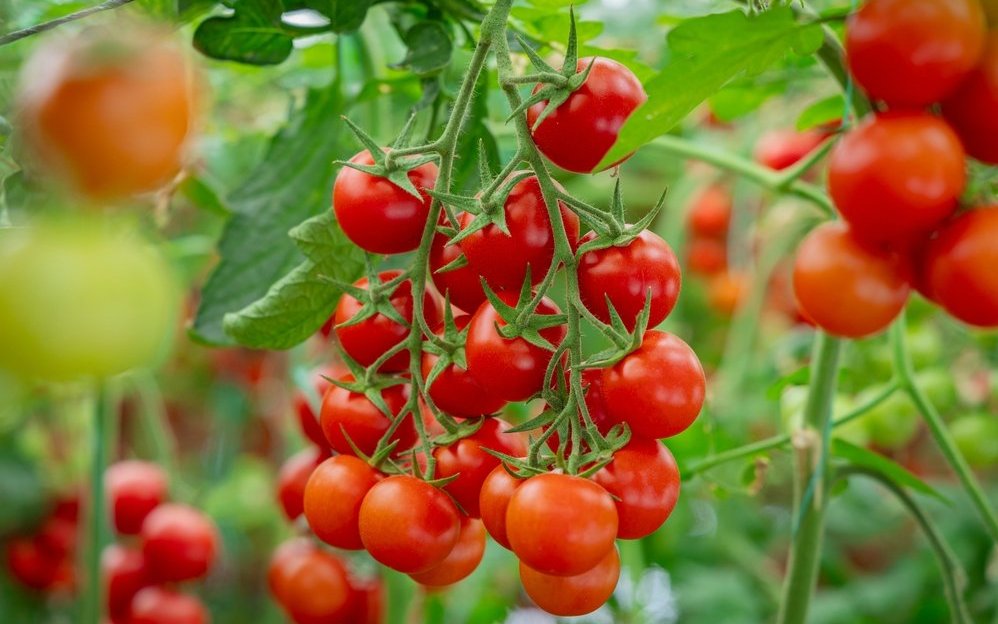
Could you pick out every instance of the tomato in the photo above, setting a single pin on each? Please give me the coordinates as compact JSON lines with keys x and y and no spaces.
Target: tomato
{"x":283,"y":562}
{"x":316,"y":588}
{"x":455,"y":391}
{"x":78,"y":299}
{"x":307,"y":418}
{"x":710,"y":212}
{"x":976,"y":435}
{"x":896,"y":176}
{"x":349,"y":415}
{"x":366,"y":341}
{"x":293,"y":476}
{"x":503,"y":259}
{"x":969,"y":109}
{"x":911,"y":53}
{"x":512,"y":369}
{"x":959,"y":267}
{"x":727,"y":291}
{"x":706,"y":256}
{"x":658,"y":389}
{"x":462,"y":286}
{"x":561,"y":524}
{"x":592,"y":385}
{"x":162,"y":605}
{"x":178,"y":542}
{"x":644,"y":480}
{"x":134,"y":489}
{"x":110,"y":111}
{"x":408,"y":525}
{"x":30,"y":564}
{"x":579,"y":133}
{"x":493,"y":501}
{"x":377,"y":215}
{"x":626,"y":274}
{"x":124,"y":572}
{"x":578,"y":594}
{"x":894,"y":423}
{"x":333,"y":497}
{"x":369,"y":600}
{"x":784,"y":148}
{"x":462,"y":560}
{"x":468,"y":460}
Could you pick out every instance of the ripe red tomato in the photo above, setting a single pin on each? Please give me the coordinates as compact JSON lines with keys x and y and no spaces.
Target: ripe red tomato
{"x":784,"y":148}
{"x":57,"y":536}
{"x":970,"y":109}
{"x":162,"y":605}
{"x":644,"y":480}
{"x":896,"y":176}
{"x":911,"y":53}
{"x":408,"y":525}
{"x":596,"y":111}
{"x":315,"y":588}
{"x":961,"y":267}
{"x":493,"y":501}
{"x":626,"y":274}
{"x":455,"y":391}
{"x":31,"y":565}
{"x":307,"y":418}
{"x":124,"y":572}
{"x":462,"y":560}
{"x":658,"y":389}
{"x":333,"y":497}
{"x":468,"y":460}
{"x":503,"y":259}
{"x":706,"y":256}
{"x":569,"y":596}
{"x":845,"y":288}
{"x":283,"y":562}
{"x":366,"y":341}
{"x":134,"y":489}
{"x":561,"y":524}
{"x":293,"y":476}
{"x":710,"y":212}
{"x":377,"y":215}
{"x":179,"y":543}
{"x":512,"y":369}
{"x":348,"y":414}
{"x":463,"y":286}
{"x":369,"y":601}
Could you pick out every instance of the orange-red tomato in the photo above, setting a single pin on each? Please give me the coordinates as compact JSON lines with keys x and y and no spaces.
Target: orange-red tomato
{"x":727,"y":291}
{"x":316,"y":588}
{"x":573,"y":595}
{"x":970,"y":109}
{"x":493,"y":501}
{"x":351,"y":417}
{"x":644,"y":480}
{"x":706,"y":256}
{"x":293,"y":476}
{"x":782,"y":149}
{"x":454,"y":390}
{"x":333,"y":497}
{"x":710,"y":212}
{"x":162,"y":605}
{"x":179,"y":543}
{"x":462,"y":560}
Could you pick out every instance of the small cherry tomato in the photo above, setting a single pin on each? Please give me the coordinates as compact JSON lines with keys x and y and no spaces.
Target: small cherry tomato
{"x":308,"y":419}
{"x":333,"y":497}
{"x":454,"y":390}
{"x":369,"y":601}
{"x":162,"y":605}
{"x":349,"y":415}
{"x":710,"y":212}
{"x":706,"y":256}
{"x":782,"y":149}
{"x":462,"y":560}
{"x":293,"y":476}
{"x":970,"y":108}
{"x":287,"y":557}
{"x":316,"y":588}
{"x":124,"y":572}
{"x":493,"y":501}
{"x":644,"y":480}
{"x":579,"y":594}
{"x":30,"y":565}
{"x":727,"y":291}
{"x":592,"y":386}
{"x":179,"y":543}
{"x":134,"y":489}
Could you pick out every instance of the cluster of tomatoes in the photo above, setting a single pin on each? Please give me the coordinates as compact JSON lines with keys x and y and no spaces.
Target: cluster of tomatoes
{"x":897,"y":178}
{"x":707,"y":224}
{"x":44,"y":560}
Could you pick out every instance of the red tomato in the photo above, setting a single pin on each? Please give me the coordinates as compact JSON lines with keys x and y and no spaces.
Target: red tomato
{"x":970,"y":109}
{"x":463,"y":285}
{"x":179,"y":543}
{"x":462,"y":560}
{"x":162,"y":605}
{"x":592,"y":385}
{"x":727,"y":291}
{"x":512,"y":369}
{"x":467,"y":459}
{"x":911,"y":53}
{"x":369,"y":600}
{"x":455,"y":391}
{"x":493,"y":501}
{"x":845,"y":288}
{"x":710,"y":212}
{"x":579,"y":133}
{"x":561,"y":524}
{"x":626,"y":274}
{"x":658,"y":389}
{"x":134,"y":489}
{"x":369,"y":339}
{"x":580,"y":594}
{"x":503,"y":259}
{"x":316,"y":588}
{"x":307,"y":418}
{"x":784,"y":148}
{"x":333,"y":497}
{"x":706,"y":256}
{"x":30,"y":564}
{"x":293,"y":476}
{"x":57,"y":536}
{"x":67,"y":507}
{"x":283,"y":562}
{"x":349,"y":414}
{"x":961,"y":267}
{"x":896,"y":176}
{"x":377,"y":215}
{"x":408,"y":525}
{"x":644,"y":480}
{"x":124,"y":572}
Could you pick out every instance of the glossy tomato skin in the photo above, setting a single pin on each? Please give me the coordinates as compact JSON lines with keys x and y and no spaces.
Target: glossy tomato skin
{"x":961,"y":267}
{"x":134,"y":489}
{"x":348,"y":414}
{"x":512,"y":369}
{"x":911,"y":53}
{"x":377,"y":215}
{"x":710,"y":212}
{"x":658,"y":389}
{"x":162,"y":605}
{"x":493,"y":501}
{"x":561,"y":524}
{"x":782,"y":149}
{"x":333,"y":496}
{"x":293,"y":476}
{"x":179,"y":543}
{"x":844,"y":287}
{"x":626,"y":275}
{"x":569,"y":596}
{"x":308,"y":419}
{"x":124,"y":572}
{"x":366,"y":341}
{"x":471,"y":464}
{"x":315,"y":588}
{"x":970,"y":109}
{"x":454,"y":390}
{"x":462,"y":560}
{"x":896,"y":176}
{"x":579,"y":133}
{"x":408,"y":525}
{"x":503,"y":259}
{"x":462,"y":286}
{"x":644,"y":479}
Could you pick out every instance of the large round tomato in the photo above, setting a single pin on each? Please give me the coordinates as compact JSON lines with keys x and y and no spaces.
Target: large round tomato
{"x":351,"y":417}
{"x":162,"y":605}
{"x":845,"y":288}
{"x":512,"y":369}
{"x":462,"y":560}
{"x":561,"y":524}
{"x":961,"y":267}
{"x":897,"y":176}
{"x":368,"y":340}
{"x":627,"y":275}
{"x":376,"y":214}
{"x":710,"y":212}
{"x":462,"y":286}
{"x":658,"y":389}
{"x":502,"y":259}
{"x":134,"y":489}
{"x":644,"y":480}
{"x":179,"y":543}
{"x":455,"y":391}
{"x":315,"y":588}
{"x":493,"y":501}
{"x":579,"y":133}
{"x":408,"y":525}
{"x":782,"y":149}
{"x":579,"y":594}
{"x":124,"y":572}
{"x":293,"y":476}
{"x":911,"y":53}
{"x":970,"y":109}
{"x":332,"y":500}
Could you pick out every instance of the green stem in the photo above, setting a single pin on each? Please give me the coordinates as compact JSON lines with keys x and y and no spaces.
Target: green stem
{"x":72,"y":17}
{"x":154,"y":425}
{"x":97,"y":528}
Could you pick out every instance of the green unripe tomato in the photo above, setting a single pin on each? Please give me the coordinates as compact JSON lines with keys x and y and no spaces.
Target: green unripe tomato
{"x":892,"y":424}
{"x":794,"y":399}
{"x":939,"y":386}
{"x":81,"y":299}
{"x":976,"y":436}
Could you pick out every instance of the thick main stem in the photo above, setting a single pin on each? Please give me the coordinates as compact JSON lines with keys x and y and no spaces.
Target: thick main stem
{"x":97,"y":509}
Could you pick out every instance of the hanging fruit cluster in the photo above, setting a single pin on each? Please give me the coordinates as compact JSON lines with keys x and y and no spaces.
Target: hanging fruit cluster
{"x":44,"y":560}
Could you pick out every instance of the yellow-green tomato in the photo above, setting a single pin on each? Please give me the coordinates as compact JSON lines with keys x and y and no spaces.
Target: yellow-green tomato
{"x":81,"y":299}
{"x":893,"y":423}
{"x":939,"y":386}
{"x":976,"y":436}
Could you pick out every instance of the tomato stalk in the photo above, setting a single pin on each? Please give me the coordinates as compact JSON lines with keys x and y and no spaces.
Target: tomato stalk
{"x":97,"y":524}
{"x":72,"y":17}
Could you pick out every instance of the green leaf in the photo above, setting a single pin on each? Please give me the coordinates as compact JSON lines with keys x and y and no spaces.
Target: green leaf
{"x":203,"y":197}
{"x":799,"y":377}
{"x":344,"y":15}
{"x":821,"y":112}
{"x":253,"y":34}
{"x":159,"y":9}
{"x":430,"y":48}
{"x":706,"y":53}
{"x":868,"y":459}
{"x":738,"y":100}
